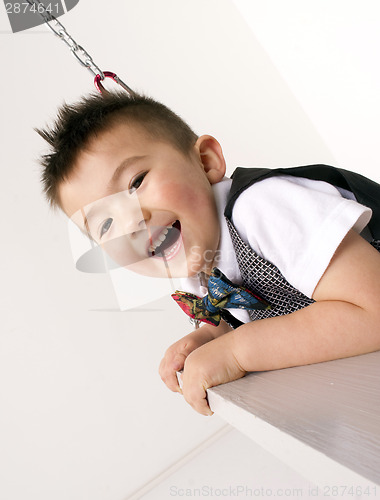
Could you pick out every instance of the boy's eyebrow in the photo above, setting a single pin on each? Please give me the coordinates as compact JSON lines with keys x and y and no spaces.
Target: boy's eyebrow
{"x":120,"y":169}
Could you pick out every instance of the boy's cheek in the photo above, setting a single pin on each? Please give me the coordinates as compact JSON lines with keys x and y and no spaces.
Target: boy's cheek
{"x":182,"y":193}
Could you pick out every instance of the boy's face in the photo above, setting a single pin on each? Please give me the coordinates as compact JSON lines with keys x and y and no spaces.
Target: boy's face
{"x":148,"y":205}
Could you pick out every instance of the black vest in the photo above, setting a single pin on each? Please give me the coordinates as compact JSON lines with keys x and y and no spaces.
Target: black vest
{"x":262,"y":276}
{"x":366,"y":192}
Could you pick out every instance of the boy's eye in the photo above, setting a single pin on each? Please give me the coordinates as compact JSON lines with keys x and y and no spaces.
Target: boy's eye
{"x":136,"y":182}
{"x":105,"y":227}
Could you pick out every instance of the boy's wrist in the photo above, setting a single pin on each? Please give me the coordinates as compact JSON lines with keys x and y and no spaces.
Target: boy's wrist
{"x":205,"y":333}
{"x":217,"y":331}
{"x":242,"y":348}
{"x":200,"y":336}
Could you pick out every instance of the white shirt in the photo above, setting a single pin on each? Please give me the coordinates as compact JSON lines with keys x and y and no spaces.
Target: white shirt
{"x":295,"y":223}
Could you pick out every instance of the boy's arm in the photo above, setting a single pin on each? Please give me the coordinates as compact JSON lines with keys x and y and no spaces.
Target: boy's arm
{"x":344,"y":321}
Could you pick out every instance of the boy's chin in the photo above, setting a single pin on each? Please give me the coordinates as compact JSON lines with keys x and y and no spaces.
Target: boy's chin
{"x":169,"y":266}
{"x":159,"y":268}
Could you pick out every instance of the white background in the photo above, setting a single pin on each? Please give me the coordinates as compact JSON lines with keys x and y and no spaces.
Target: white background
{"x":84,"y":414}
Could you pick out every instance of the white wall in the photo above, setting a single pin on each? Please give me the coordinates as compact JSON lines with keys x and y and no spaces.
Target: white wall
{"x":327,"y":54}
{"x":83,"y":411}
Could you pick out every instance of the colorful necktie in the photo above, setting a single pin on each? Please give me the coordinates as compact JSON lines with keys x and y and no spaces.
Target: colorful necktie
{"x":222,"y":294}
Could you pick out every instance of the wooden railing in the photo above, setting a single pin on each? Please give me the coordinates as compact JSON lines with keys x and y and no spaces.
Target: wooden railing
{"x":323,"y":420}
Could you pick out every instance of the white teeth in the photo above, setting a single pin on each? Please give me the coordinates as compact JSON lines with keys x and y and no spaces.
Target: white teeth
{"x":172,"y":250}
{"x":161,"y":238}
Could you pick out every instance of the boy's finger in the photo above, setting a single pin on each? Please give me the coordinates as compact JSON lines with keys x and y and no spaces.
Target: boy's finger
{"x":178,"y":362}
{"x":202,"y":407}
{"x":197,"y":398}
{"x":170,"y":379}
{"x":170,"y":363}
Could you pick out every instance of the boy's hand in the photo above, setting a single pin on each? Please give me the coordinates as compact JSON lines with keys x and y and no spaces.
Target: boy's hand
{"x":176,"y":355}
{"x":212,"y":364}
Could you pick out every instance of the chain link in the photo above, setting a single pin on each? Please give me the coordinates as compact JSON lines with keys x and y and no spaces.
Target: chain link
{"x":59,"y":30}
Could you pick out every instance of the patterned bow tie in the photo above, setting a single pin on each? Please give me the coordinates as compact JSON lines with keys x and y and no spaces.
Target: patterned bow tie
{"x":222,"y":294}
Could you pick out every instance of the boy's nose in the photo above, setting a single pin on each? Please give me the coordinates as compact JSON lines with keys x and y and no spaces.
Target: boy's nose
{"x":136,"y":222}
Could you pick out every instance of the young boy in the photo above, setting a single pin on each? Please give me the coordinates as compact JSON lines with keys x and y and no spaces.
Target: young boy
{"x":141,"y":184}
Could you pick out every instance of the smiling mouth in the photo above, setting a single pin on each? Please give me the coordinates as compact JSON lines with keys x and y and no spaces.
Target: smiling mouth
{"x":167,"y":243}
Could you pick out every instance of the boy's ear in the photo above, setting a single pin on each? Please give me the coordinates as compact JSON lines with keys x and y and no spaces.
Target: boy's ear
{"x":212,"y":158}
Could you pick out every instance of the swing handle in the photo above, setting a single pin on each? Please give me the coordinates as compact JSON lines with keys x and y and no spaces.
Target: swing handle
{"x":77,"y":50}
{"x":108,"y":74}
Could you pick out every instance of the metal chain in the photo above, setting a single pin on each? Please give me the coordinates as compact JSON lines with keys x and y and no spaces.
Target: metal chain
{"x":59,"y":30}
